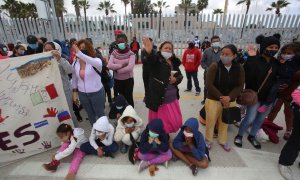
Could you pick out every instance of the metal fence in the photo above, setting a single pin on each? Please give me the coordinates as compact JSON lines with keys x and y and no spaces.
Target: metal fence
{"x":173,"y":27}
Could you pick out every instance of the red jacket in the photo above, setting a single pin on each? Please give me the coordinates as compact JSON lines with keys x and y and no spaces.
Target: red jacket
{"x":191,"y":59}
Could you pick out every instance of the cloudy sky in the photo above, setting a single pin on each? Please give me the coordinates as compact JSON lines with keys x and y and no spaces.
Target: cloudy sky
{"x":258,"y":6}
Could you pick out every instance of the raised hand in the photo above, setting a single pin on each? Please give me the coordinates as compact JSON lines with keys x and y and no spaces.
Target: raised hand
{"x":52,"y":112}
{"x":56,"y":55}
{"x":148,"y":45}
{"x":252,"y":50}
{"x":1,"y":118}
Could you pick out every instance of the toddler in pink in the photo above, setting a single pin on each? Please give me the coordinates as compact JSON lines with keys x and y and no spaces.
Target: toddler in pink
{"x":71,"y":139}
{"x":296,"y":96}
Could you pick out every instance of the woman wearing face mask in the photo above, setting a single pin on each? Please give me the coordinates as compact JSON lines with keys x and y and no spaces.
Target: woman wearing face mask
{"x":224,"y":81}
{"x":122,"y":61}
{"x":86,"y":79}
{"x":257,"y":68}
{"x":19,"y":50}
{"x":163,"y":93}
{"x":289,"y":65}
{"x":65,"y":69}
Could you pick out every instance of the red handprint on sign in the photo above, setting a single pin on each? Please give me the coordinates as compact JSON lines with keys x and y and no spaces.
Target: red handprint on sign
{"x":52,"y":112}
{"x":1,"y":118}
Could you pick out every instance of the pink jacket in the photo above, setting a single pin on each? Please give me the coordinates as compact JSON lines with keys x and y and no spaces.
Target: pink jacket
{"x":117,"y":61}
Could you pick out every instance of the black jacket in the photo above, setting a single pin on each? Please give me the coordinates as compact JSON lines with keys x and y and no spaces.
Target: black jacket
{"x":256,"y":70}
{"x":160,"y":72}
{"x":30,"y":51}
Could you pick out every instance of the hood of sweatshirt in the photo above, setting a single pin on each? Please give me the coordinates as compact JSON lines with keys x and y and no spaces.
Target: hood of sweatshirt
{"x":130,"y":112}
{"x":102,"y":124}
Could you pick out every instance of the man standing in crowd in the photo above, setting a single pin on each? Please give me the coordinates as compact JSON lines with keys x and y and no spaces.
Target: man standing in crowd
{"x":206,"y":44}
{"x":35,"y":46}
{"x":191,"y":61}
{"x":135,"y":47}
{"x":210,"y":56}
{"x":197,"y":42}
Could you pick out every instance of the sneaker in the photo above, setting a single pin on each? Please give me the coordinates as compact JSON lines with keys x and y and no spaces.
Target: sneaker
{"x":123,"y":148}
{"x":286,"y":172}
{"x":208,"y":144}
{"x":262,"y":109}
{"x":107,"y":154}
{"x":194,"y":169}
{"x":187,"y":90}
{"x":166,"y":164}
{"x":238,"y":141}
{"x":203,"y":102}
{"x":79,"y":118}
{"x":254,"y":142}
{"x":197,"y":94}
{"x":226,"y":147}
{"x":143,"y":165}
{"x":287,"y":135}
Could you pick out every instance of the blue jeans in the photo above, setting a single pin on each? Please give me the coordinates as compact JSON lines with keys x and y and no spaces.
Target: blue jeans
{"x":254,"y":118}
{"x":93,"y":103}
{"x":88,"y":149}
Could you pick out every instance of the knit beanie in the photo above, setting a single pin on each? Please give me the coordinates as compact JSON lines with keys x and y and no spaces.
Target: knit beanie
{"x":264,"y":42}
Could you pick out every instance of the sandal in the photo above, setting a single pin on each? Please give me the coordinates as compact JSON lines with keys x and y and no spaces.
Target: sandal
{"x":208,"y":144}
{"x":226,"y":147}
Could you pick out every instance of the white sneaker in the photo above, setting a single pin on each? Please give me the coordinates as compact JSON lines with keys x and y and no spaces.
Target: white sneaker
{"x":166,"y":164}
{"x":286,"y":172}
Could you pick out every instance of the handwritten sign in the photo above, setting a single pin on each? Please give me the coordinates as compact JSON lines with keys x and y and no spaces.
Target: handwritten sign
{"x":32,"y":105}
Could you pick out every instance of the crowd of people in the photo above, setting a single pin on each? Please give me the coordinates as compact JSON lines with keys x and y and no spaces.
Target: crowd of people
{"x":269,"y":75}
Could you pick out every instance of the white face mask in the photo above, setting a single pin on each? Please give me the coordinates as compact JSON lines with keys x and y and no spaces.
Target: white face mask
{"x":119,"y":107}
{"x":287,"y":57}
{"x":166,"y":55}
{"x":187,"y":134}
{"x":129,"y":125}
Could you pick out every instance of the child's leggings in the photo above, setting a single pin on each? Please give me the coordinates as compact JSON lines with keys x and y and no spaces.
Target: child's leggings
{"x":78,"y":155}
{"x":156,"y":158}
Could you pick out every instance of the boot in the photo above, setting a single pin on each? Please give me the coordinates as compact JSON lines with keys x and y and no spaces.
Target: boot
{"x":52,"y":166}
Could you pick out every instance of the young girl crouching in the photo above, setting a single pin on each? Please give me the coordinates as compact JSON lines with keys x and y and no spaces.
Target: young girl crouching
{"x":72,"y":140}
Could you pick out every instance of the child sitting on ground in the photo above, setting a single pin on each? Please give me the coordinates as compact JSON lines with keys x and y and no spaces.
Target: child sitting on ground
{"x":72,"y":140}
{"x":189,"y":146}
{"x":101,"y":140}
{"x":128,"y":124}
{"x":154,"y":146}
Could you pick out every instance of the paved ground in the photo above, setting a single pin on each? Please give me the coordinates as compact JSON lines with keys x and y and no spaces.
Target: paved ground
{"x":246,"y":163}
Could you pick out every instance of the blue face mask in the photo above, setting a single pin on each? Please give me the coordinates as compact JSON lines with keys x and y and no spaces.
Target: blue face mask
{"x":33,"y":46}
{"x":153,"y":135}
{"x":216,"y":45}
{"x":122,"y":46}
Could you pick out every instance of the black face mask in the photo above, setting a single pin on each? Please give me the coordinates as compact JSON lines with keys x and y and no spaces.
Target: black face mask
{"x":191,"y":45}
{"x":85,"y":52}
{"x":270,"y":53}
